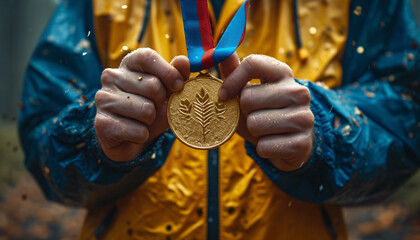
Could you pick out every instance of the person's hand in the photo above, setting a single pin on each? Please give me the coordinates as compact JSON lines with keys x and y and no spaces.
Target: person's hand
{"x":276,"y":114}
{"x":131,"y":106}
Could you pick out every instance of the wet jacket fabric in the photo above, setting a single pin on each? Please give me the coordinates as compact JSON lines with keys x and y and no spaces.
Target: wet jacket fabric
{"x":360,"y":60}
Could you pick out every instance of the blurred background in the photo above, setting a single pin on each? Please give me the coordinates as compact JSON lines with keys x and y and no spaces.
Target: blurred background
{"x":25,"y":214}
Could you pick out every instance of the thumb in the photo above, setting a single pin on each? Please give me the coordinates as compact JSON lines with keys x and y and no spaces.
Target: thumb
{"x":182,"y":64}
{"x":228,"y":65}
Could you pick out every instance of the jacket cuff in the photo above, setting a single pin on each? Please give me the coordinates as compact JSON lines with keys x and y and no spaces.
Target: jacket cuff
{"x":151,"y":152}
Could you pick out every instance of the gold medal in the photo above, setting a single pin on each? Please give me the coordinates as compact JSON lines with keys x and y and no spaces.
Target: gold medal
{"x":196,"y":116}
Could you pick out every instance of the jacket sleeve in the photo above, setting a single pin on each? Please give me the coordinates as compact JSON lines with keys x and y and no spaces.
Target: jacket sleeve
{"x":368,"y":131}
{"x":56,"y":124}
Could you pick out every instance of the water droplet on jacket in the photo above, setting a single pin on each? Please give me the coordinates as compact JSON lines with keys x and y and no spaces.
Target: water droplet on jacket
{"x":357,"y":11}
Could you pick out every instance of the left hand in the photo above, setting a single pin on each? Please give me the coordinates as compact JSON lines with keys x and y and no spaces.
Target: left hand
{"x":276,"y":114}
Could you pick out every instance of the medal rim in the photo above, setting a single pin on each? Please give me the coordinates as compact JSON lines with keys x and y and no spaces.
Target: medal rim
{"x":229,"y":136}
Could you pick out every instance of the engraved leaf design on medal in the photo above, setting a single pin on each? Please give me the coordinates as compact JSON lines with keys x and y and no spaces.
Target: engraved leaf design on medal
{"x":220,"y":110}
{"x":203,"y":111}
{"x":185,"y":108}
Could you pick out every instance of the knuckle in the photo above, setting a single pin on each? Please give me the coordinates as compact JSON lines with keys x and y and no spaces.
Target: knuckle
{"x":170,"y":73}
{"x":253,"y":123}
{"x":245,"y":100}
{"x":263,"y":149}
{"x":143,"y":134}
{"x":298,"y":147}
{"x":147,"y":110}
{"x":309,"y":118}
{"x":101,"y":97}
{"x":108,"y":76}
{"x":304,"y":95}
{"x":303,"y":119}
{"x":249,"y":62}
{"x":300,"y":95}
{"x":147,"y":54}
{"x":287,"y":71}
{"x":102,"y":124}
{"x":141,"y":55}
{"x":154,"y":86}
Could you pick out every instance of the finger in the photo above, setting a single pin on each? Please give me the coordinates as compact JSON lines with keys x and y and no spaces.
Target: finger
{"x":279,"y":121}
{"x":242,"y":130}
{"x":142,"y":84}
{"x":273,"y":96}
{"x":227,"y":66}
{"x":161,"y":122}
{"x":112,"y":130}
{"x":182,"y":64}
{"x":127,"y":105}
{"x":254,"y":66}
{"x":148,"y":61}
{"x":287,"y":152}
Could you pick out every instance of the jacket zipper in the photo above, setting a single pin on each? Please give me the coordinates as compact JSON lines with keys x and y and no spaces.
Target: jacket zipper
{"x":213,"y":194}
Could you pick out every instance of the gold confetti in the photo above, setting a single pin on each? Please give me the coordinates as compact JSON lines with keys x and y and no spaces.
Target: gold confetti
{"x":140,"y":78}
{"x":357,"y":11}
{"x":99,"y":161}
{"x":84,"y":53}
{"x":410,"y":56}
{"x":411,"y":135}
{"x":355,"y":121}
{"x":312,"y":30}
{"x":327,"y":46}
{"x":290,"y":203}
{"x":88,"y":34}
{"x":124,"y":7}
{"x":391,"y":78}
{"x":316,"y":64}
{"x":311,"y":45}
{"x":80,"y":145}
{"x":91,"y":104}
{"x":357,"y":111}
{"x":336,"y":122}
{"x":353,"y":43}
{"x":47,"y":170}
{"x":74,"y":80}
{"x":346,"y":130}
{"x":281,"y":51}
{"x":167,"y":36}
{"x":153,"y":156}
{"x":406,"y":96}
{"x":360,"y":49}
{"x":369,"y":94}
{"x":124,"y":48}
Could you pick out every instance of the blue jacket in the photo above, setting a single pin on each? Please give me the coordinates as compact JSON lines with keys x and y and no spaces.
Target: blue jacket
{"x":367,"y":131}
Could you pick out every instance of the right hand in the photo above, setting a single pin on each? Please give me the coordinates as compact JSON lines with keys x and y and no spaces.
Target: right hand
{"x":132,"y":112}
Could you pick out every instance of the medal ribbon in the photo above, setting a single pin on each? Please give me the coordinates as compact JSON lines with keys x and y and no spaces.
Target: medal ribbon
{"x":200,"y":47}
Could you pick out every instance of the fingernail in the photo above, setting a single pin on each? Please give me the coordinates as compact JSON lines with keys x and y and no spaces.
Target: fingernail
{"x":223,"y":95}
{"x":178,"y":84}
